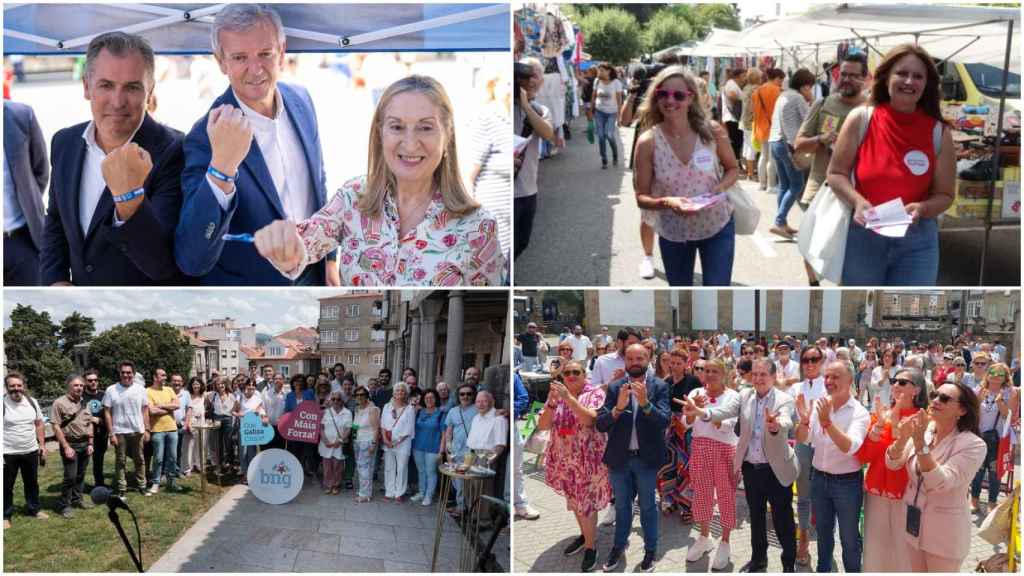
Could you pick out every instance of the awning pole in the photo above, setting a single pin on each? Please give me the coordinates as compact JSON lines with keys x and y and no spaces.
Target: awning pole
{"x":995,"y":154}
{"x":962,"y":48}
{"x":866,"y":43}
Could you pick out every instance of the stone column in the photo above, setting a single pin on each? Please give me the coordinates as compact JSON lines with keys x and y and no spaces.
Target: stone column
{"x":431,"y":310}
{"x":454,"y":341}
{"x":414,"y":345}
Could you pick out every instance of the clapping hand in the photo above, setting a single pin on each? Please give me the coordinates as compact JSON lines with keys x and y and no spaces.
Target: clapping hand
{"x":640,"y":389}
{"x":919,"y":424}
{"x":623,"y":399}
{"x":824,"y":407}
{"x":802,"y":409}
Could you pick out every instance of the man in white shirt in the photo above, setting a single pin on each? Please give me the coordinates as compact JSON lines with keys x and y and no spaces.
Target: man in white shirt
{"x":835,"y":426}
{"x":126,"y":411}
{"x":24,"y":447}
{"x":602,"y":339}
{"x":582,"y":348}
{"x":788,"y":370}
{"x":253,"y":159}
{"x":273,"y":403}
{"x":612,"y":366}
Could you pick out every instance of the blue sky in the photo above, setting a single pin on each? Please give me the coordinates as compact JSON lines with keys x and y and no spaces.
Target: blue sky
{"x":272,"y":310}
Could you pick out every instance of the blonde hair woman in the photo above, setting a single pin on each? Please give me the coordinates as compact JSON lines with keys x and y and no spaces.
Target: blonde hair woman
{"x":410,"y":220}
{"x":681,"y":155}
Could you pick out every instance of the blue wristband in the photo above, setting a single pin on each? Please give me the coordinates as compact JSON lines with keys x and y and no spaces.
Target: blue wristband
{"x":220,"y":175}
{"x":128,"y":196}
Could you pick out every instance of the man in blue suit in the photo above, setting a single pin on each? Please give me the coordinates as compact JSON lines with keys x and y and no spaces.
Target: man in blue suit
{"x":115,"y":192}
{"x":234,"y":187}
{"x":26,"y":172}
{"x":635,"y":415}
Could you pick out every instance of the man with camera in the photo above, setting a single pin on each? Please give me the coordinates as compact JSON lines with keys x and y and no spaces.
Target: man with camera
{"x":532,"y":122}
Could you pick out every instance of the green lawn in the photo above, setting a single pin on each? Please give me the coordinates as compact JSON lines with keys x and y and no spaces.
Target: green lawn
{"x":88,"y":542}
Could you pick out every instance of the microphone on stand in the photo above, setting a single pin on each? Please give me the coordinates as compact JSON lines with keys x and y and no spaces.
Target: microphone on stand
{"x":103,"y":495}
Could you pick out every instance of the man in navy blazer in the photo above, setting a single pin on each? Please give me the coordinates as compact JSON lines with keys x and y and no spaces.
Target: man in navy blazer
{"x":115,"y":192}
{"x":232,"y":186}
{"x":26,"y":172}
{"x":635,"y":415}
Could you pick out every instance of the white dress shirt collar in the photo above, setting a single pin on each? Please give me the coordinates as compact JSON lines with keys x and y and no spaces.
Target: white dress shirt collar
{"x":91,"y":183}
{"x":853,"y":419}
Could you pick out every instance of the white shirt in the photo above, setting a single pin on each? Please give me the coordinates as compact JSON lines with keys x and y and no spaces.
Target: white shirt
{"x":790,"y":370}
{"x":20,"y":425}
{"x":285,"y":158}
{"x":251,"y":404}
{"x":332,"y":425}
{"x":273,"y":402}
{"x":605,"y":366}
{"x":92,"y":184}
{"x":579,"y":346}
{"x":489,"y":430}
{"x":731,"y":87}
{"x":811,"y":389}
{"x":726,"y":431}
{"x":126,"y":407}
{"x":401,"y":422}
{"x":853,"y":419}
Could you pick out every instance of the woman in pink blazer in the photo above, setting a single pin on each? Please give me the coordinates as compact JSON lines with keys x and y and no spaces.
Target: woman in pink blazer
{"x":941,"y":451}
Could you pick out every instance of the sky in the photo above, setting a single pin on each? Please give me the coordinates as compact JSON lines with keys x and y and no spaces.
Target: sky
{"x":272,"y":310}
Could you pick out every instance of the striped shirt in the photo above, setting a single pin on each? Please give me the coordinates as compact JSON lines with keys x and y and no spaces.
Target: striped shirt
{"x":789,"y":114}
{"x":492,"y":151}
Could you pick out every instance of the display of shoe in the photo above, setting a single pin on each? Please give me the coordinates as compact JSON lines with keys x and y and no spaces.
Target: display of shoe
{"x":589,"y":560}
{"x":646,"y":268}
{"x":648,"y":562}
{"x":699,"y":548}
{"x":614,"y":558}
{"x":722,"y":558}
{"x":575,"y":546}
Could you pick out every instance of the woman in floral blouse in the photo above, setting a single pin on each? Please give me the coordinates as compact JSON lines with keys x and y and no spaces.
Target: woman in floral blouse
{"x":573,"y":457}
{"x":410,"y":220}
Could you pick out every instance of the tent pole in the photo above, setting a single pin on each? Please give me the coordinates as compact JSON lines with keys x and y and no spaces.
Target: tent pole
{"x":32,"y":38}
{"x":995,"y":154}
{"x":476,"y":13}
{"x":72,"y":43}
{"x":962,"y":48}
{"x":866,"y":43}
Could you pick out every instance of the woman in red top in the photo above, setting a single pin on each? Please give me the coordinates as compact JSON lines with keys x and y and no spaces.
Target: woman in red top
{"x":898,"y":158}
{"x":884,"y":509}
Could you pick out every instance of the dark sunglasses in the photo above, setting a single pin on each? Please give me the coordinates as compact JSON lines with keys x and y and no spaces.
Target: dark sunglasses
{"x":810,"y":360}
{"x":941,"y":397}
{"x":127,"y":372}
{"x":92,"y":379}
{"x":901,"y":382}
{"x":678,"y":95}
{"x":698,"y":368}
{"x":465,"y":394}
{"x":572,"y":372}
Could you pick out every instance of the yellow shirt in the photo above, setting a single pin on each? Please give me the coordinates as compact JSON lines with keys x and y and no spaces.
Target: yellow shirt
{"x":166,"y":422}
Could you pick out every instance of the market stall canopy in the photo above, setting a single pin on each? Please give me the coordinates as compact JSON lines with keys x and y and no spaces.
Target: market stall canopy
{"x":185,"y":28}
{"x":960,"y":33}
{"x":720,"y":42}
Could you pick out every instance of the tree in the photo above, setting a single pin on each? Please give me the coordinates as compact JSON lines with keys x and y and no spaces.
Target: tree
{"x":75,"y":329}
{"x":30,"y":345}
{"x":718,"y":16}
{"x":611,"y":35}
{"x":148,"y":344}
{"x":666,"y":29}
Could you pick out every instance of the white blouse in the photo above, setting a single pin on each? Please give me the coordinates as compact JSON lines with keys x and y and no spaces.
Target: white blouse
{"x":401,"y":422}
{"x":332,"y":426}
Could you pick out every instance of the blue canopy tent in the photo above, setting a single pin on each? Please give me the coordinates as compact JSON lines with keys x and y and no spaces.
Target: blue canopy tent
{"x":66,"y":29}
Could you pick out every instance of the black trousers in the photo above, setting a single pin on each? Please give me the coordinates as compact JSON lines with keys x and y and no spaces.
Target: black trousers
{"x":74,"y":474}
{"x":523,"y":211}
{"x":100,"y":440}
{"x":21,"y":259}
{"x":762,"y":487}
{"x":735,"y":138}
{"x":147,"y":456}
{"x":28,"y":465}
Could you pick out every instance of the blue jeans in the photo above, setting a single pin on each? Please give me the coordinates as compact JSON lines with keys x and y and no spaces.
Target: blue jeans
{"x":791,"y":180}
{"x":605,"y":124}
{"x":838,"y":499}
{"x":716,"y":257}
{"x":988,"y":468}
{"x":165,"y":456}
{"x":804,"y":456}
{"x":246,"y":453}
{"x":876,"y":260}
{"x":426,"y":471}
{"x":635,"y":480}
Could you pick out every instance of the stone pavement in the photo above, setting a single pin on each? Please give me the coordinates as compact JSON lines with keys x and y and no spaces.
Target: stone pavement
{"x":315,"y":533}
{"x":539,"y":543}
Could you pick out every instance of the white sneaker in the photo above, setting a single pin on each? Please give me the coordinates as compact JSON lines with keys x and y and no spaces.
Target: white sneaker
{"x":702,"y":546}
{"x":721,"y":557}
{"x":153,"y":490}
{"x":417,"y":497}
{"x":427,"y":502}
{"x":646,"y":268}
{"x":609,"y":518}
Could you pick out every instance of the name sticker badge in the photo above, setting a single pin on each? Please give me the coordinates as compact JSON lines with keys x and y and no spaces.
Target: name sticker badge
{"x":704,"y":160}
{"x":917,"y":162}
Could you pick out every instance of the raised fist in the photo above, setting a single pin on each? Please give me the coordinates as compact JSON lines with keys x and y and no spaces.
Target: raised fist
{"x":125,"y":169}
{"x":230,"y":138}
{"x":279,"y":242}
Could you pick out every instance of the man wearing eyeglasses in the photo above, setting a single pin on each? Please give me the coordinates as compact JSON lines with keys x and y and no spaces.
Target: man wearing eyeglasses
{"x":812,"y":387}
{"x":458,"y":424}
{"x":92,"y":401}
{"x":126,"y":411}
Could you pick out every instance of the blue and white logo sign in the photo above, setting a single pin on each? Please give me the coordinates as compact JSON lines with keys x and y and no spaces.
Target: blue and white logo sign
{"x":275,"y":476}
{"x":95,"y":407}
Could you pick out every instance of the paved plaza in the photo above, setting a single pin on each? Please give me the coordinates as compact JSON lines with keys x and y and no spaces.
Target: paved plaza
{"x":539,"y":543}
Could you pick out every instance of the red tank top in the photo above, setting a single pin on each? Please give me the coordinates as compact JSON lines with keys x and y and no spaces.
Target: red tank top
{"x":897,"y":157}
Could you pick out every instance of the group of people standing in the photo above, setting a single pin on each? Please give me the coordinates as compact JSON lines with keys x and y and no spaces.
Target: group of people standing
{"x":686,"y":420}
{"x":241,"y":199}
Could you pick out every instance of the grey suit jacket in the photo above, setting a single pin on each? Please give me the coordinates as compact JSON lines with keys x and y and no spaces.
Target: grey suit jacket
{"x":779,"y":453}
{"x":25,"y":149}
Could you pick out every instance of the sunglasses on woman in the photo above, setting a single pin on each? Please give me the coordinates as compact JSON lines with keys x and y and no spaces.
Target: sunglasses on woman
{"x":996,"y":373}
{"x":901,"y":382}
{"x":678,"y":95}
{"x":942,"y":397}
{"x":572,"y":372}
{"x":810,"y":360}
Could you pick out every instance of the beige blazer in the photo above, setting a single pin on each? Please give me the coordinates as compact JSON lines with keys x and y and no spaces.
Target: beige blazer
{"x":778,"y":452}
{"x":945,"y":510}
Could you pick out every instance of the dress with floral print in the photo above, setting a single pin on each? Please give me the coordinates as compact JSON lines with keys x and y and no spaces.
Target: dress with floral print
{"x":442,"y":250}
{"x":674,"y":178}
{"x":572,"y":462}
